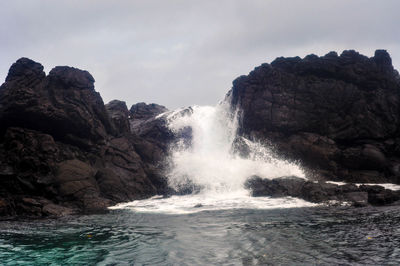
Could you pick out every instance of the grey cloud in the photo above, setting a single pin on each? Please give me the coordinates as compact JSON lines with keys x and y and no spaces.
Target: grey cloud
{"x":180,"y":53}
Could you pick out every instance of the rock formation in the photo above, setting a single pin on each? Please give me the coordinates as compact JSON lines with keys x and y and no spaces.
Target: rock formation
{"x":63,"y":151}
{"x":337,"y":115}
{"x":322,"y":192}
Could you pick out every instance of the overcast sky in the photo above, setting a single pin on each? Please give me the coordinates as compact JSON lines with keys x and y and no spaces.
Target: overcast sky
{"x":180,"y":53}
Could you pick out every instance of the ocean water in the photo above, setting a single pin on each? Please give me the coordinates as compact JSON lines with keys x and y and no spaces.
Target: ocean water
{"x":221,"y":224}
{"x":288,"y":236}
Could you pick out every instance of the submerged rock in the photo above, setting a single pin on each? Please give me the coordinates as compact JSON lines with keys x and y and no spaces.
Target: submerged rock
{"x":337,"y":115}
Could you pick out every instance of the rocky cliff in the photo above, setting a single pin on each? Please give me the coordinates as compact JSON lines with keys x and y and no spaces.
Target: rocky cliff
{"x":63,"y":151}
{"x":337,"y":115}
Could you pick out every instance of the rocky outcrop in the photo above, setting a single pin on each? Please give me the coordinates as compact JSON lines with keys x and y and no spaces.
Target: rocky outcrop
{"x":143,"y":111}
{"x":146,"y":123}
{"x":150,"y":122}
{"x":337,"y":115}
{"x":62,"y":151}
{"x":119,"y":114}
{"x":63,"y":104}
{"x":322,"y":192}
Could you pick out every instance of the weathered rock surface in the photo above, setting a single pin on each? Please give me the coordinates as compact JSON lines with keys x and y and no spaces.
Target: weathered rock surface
{"x":337,"y":115}
{"x":146,"y":123}
{"x":62,"y":151}
{"x":150,"y":122}
{"x":119,"y":114}
{"x":142,"y":111}
{"x":321,"y":192}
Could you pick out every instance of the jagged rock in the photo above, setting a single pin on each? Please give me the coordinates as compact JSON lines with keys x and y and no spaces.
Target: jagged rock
{"x":63,"y":104}
{"x":337,"y":115}
{"x":142,"y":111}
{"x":154,"y":128}
{"x":62,"y":151}
{"x":118,"y":111}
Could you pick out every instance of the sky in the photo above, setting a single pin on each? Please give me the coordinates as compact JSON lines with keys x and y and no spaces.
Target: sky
{"x":179,"y":53}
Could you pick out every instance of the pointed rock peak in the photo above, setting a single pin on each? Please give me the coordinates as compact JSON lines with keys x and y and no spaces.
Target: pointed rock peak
{"x":25,"y":68}
{"x":382,"y":57}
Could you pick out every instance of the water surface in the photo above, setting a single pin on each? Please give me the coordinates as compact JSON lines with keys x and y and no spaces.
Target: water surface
{"x":301,"y":236}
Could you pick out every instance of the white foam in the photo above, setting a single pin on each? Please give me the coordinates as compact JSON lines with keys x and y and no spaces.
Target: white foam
{"x":336,"y":183}
{"x":210,"y":202}
{"x":385,"y":185}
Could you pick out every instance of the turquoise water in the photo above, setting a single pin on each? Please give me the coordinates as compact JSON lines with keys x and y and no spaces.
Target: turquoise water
{"x":301,"y":236}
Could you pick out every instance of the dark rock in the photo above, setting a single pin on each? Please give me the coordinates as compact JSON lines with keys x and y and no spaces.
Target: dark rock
{"x":382,"y":59}
{"x":54,"y":210}
{"x":119,"y":114}
{"x":144,"y":111}
{"x":278,"y":187}
{"x":359,"y":199}
{"x":63,"y":104}
{"x":145,"y":123}
{"x":63,"y":152}
{"x":321,"y":192}
{"x":337,"y":115}
{"x":26,"y":72}
{"x":378,"y":195}
{"x":155,"y":130}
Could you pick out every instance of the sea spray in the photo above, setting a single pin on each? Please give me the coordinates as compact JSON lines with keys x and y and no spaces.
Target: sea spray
{"x":211,"y":161}
{"x":206,"y":157}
